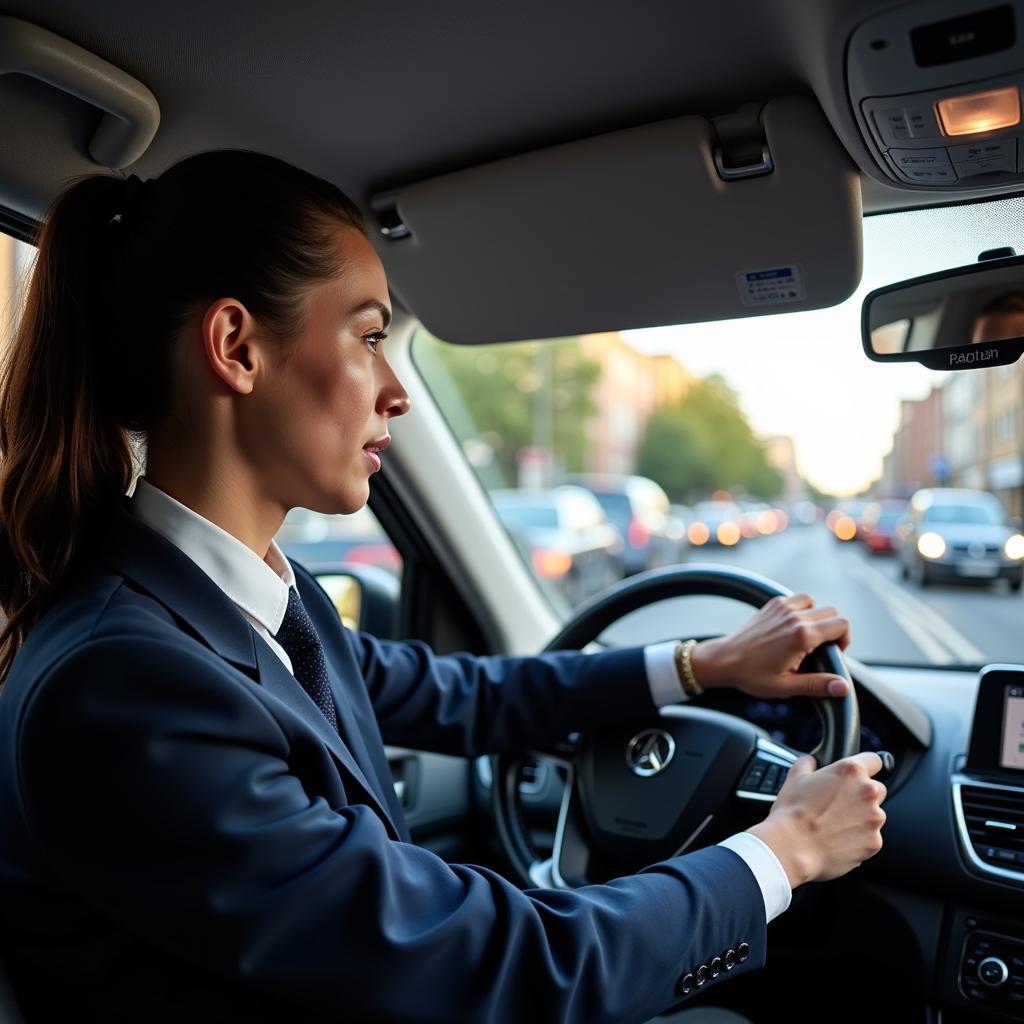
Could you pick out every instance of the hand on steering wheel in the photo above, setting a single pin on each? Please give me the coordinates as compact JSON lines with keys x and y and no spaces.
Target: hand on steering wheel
{"x":764,"y":656}
{"x":617,"y":815}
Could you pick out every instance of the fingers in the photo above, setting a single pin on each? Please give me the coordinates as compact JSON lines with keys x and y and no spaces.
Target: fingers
{"x":799,"y":602}
{"x":813,"y":634}
{"x":802,"y":766}
{"x":867,"y":761}
{"x":819,"y":684}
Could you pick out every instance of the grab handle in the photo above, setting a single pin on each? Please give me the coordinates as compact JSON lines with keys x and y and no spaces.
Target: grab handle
{"x":131,"y":112}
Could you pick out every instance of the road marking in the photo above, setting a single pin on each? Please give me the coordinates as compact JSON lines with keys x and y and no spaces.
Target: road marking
{"x":936,"y":637}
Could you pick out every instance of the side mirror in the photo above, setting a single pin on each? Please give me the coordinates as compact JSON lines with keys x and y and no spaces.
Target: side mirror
{"x":366,"y":597}
{"x":965,"y":318}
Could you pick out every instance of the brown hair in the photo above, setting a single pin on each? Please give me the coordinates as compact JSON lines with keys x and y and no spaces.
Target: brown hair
{"x":1009,"y":302}
{"x":121,"y":266}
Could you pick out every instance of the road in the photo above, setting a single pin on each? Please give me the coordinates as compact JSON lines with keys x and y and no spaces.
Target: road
{"x":891,"y":621}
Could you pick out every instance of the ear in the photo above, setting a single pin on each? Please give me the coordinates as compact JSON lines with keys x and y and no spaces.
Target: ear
{"x":231,"y":344}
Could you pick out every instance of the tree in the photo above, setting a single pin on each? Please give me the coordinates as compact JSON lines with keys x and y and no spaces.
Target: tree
{"x":706,"y":444}
{"x":503,"y":398}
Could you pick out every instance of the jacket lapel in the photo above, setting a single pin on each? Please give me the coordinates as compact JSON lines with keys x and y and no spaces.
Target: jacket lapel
{"x":155,"y":565}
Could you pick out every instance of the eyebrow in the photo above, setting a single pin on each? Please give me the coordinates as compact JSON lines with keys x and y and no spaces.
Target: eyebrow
{"x":379,"y":307}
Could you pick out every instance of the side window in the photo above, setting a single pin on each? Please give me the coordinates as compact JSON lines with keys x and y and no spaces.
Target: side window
{"x":15,"y":260}
{"x":326,"y":542}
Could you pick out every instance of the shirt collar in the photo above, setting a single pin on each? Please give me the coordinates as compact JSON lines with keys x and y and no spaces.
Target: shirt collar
{"x":259,"y":587}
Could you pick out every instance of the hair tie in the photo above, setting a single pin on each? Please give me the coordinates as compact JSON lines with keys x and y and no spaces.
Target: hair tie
{"x":133,"y":186}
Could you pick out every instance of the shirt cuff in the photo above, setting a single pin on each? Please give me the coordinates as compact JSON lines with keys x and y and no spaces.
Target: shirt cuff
{"x":662,"y":677}
{"x":770,"y":875}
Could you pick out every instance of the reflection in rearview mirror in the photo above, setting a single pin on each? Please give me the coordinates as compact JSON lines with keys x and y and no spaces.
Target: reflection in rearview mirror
{"x":969,"y":317}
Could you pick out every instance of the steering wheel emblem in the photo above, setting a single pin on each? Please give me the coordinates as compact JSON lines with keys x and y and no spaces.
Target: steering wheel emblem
{"x":650,"y":752}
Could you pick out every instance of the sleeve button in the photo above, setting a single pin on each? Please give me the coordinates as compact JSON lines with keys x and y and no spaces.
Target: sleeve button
{"x":716,"y":967}
{"x":742,"y":952}
{"x":702,"y":975}
{"x":729,"y":959}
{"x":686,"y":984}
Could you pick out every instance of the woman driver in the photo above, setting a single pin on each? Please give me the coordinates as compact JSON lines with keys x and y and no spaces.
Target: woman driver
{"x":196,"y":818}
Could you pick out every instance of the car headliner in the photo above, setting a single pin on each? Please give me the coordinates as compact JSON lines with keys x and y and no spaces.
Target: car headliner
{"x":374,"y":96}
{"x":377,"y":97}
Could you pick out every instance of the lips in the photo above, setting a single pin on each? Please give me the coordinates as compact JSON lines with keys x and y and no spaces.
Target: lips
{"x":377,"y":446}
{"x":374,"y":448}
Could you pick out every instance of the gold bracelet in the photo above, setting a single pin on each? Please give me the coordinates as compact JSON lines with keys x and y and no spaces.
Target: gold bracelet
{"x":684,"y":667}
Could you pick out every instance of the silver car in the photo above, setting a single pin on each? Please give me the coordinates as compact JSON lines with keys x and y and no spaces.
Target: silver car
{"x":952,"y":534}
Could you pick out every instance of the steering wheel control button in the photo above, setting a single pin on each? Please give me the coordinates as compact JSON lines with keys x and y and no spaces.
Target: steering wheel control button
{"x":754,"y":776}
{"x":650,"y":752}
{"x":729,"y":959}
{"x":742,"y":952}
{"x":686,"y":984}
{"x":702,"y":975}
{"x":716,"y":967}
{"x":993,"y":972}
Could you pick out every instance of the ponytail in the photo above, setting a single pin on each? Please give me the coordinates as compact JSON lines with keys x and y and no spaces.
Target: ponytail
{"x":88,"y":372}
{"x":63,"y":460}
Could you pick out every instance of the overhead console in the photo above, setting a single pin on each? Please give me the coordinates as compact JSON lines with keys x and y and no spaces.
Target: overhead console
{"x":936,"y":89}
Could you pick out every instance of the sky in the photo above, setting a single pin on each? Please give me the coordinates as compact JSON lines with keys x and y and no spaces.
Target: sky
{"x":806,"y":375}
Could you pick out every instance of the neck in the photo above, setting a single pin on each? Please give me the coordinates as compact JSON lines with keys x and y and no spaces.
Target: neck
{"x":223,"y":494}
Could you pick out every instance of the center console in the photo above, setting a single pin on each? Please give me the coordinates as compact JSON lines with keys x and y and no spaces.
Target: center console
{"x":988,"y":803}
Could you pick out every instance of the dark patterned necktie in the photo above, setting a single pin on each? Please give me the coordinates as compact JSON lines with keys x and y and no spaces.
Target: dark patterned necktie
{"x":298,"y":637}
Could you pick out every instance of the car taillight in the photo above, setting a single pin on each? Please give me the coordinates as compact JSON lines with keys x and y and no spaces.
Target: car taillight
{"x":551,"y":565}
{"x":639,"y":535}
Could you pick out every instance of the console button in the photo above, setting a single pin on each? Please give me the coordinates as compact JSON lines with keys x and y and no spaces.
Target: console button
{"x":993,"y":972}
{"x":922,"y":123}
{"x":992,"y":165}
{"x":892,"y":125}
{"x":1006,"y":148}
{"x":924,"y":165}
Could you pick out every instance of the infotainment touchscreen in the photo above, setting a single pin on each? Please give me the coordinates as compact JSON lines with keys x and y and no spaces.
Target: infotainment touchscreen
{"x":997,"y":733}
{"x":1012,"y":755}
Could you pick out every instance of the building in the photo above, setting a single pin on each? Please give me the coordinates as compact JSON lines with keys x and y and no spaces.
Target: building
{"x":632,"y":385}
{"x":781,"y":456}
{"x":918,"y":458}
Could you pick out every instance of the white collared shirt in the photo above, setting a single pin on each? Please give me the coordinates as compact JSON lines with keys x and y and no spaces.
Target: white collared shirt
{"x":258,"y":587}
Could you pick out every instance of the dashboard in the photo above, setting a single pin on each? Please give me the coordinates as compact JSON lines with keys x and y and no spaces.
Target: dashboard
{"x":796,"y":724}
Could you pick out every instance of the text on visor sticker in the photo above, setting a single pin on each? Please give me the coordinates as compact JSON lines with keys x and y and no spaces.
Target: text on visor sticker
{"x":775,"y":287}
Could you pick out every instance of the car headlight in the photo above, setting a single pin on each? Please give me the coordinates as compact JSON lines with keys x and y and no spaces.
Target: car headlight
{"x":931,"y":545}
{"x":1014,"y":546}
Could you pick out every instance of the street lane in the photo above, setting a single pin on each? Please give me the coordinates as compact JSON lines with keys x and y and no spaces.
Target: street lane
{"x":891,"y":621}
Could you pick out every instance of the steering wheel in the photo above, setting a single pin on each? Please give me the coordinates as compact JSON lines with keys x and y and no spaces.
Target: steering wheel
{"x":642,"y":791}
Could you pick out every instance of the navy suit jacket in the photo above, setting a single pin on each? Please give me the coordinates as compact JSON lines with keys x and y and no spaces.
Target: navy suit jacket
{"x":183,"y":837}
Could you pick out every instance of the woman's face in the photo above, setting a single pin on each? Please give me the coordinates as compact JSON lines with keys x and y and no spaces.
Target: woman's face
{"x":330,"y":393}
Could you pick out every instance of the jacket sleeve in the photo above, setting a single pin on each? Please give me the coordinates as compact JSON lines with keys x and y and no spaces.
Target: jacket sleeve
{"x":467,"y":705}
{"x":160,"y":788}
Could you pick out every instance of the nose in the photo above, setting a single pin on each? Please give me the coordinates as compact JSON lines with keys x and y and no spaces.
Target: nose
{"x":393,"y":399}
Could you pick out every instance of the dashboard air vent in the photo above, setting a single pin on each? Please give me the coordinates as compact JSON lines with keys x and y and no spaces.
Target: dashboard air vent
{"x":993,"y":821}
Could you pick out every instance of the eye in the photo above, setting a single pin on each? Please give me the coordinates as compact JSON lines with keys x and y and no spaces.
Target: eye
{"x":375,"y":339}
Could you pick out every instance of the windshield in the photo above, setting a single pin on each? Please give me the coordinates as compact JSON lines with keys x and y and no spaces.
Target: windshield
{"x":773,"y":437}
{"x":964,"y":514}
{"x":542,"y":517}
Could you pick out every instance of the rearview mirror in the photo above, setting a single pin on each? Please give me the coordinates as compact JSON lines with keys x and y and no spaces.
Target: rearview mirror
{"x":965,"y":318}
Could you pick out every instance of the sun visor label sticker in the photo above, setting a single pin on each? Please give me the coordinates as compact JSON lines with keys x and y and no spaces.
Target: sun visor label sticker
{"x":776,"y":287}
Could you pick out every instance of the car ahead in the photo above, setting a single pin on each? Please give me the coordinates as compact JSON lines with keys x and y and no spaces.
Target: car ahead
{"x":326,"y":541}
{"x":716,"y":524}
{"x":960,"y":534}
{"x":503,"y":158}
{"x":879,"y":525}
{"x":639,"y":509}
{"x":845,"y":520}
{"x":570,"y":542}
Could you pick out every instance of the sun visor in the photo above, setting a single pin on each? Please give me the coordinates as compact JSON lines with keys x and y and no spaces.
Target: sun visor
{"x":636,"y":228}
